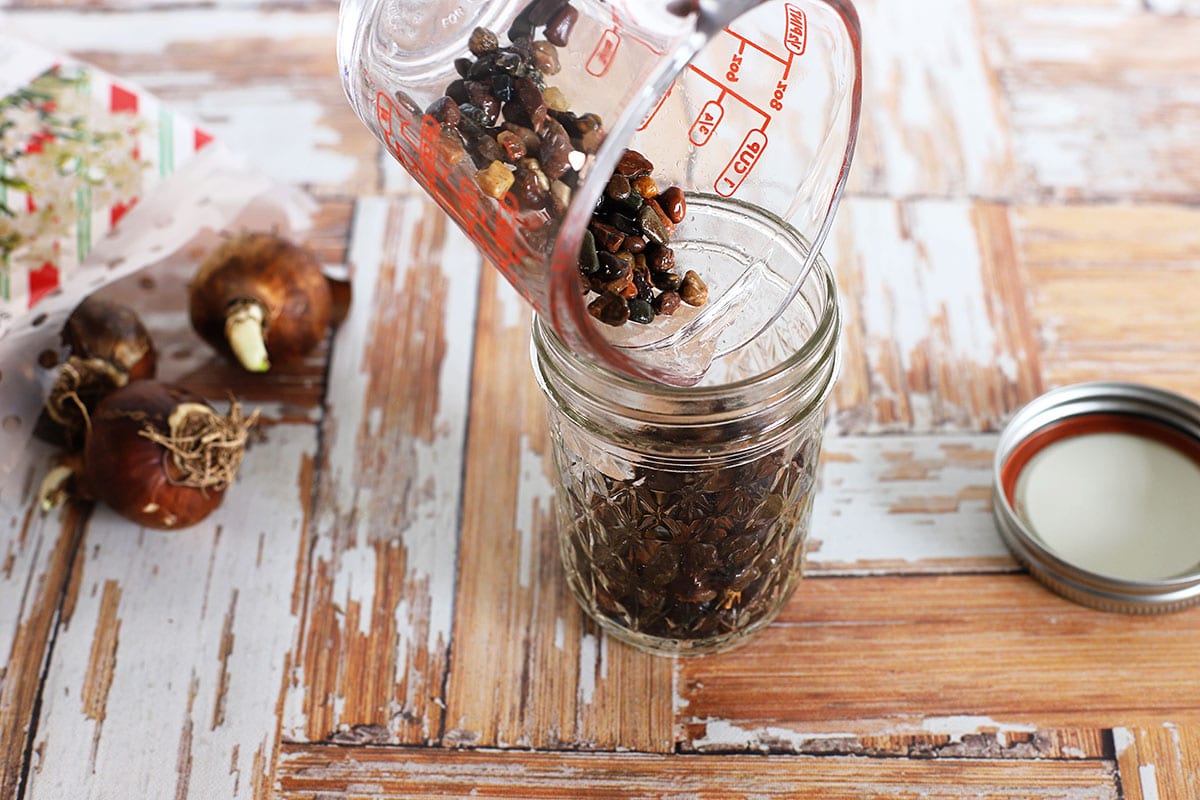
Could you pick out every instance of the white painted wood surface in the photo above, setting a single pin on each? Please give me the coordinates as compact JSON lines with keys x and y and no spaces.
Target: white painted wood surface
{"x":1021,"y":214}
{"x":385,"y":555}
{"x":172,"y":648}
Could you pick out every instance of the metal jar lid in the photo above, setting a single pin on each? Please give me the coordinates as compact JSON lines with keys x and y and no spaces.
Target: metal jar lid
{"x":1092,"y":488}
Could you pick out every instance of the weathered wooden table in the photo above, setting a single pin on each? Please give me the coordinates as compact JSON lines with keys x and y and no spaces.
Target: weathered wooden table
{"x":378,"y":610}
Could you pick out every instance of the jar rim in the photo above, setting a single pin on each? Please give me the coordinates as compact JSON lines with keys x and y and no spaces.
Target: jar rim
{"x":773,"y":385}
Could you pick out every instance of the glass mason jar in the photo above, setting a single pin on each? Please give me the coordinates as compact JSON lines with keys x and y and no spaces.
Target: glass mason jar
{"x":683,"y":511}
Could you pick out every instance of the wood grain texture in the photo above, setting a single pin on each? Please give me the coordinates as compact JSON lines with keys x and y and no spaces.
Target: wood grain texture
{"x":1113,"y":289}
{"x":359,"y":774}
{"x":36,"y":554}
{"x":934,"y":121}
{"x":530,"y":669}
{"x":905,"y":504}
{"x":1159,"y":762}
{"x":935,"y":335}
{"x":381,"y":593}
{"x":1101,"y":98}
{"x":847,"y":651}
{"x":172,"y":646}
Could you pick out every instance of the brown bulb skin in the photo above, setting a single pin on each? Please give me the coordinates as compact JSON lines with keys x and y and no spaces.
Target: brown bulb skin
{"x":284,"y":278}
{"x":100,"y":328}
{"x":129,"y":472}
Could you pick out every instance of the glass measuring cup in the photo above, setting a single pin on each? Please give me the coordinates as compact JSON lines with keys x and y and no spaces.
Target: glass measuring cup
{"x":739,"y":103}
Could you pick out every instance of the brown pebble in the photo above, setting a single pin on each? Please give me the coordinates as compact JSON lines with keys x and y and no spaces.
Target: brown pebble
{"x":635,"y":244}
{"x":693,"y":291}
{"x":666,"y":303}
{"x":607,"y":237}
{"x":545,"y":58}
{"x":485,"y":150}
{"x":528,"y":190}
{"x":618,"y":188}
{"x":451,"y":147}
{"x":555,"y":150}
{"x":513,"y":146}
{"x":528,"y":135}
{"x":674,"y":204}
{"x":661,"y":258}
{"x":480,"y":95}
{"x":539,"y":12}
{"x":558,"y":29}
{"x":445,"y":111}
{"x":662,"y":216}
{"x":482,"y":41}
{"x":610,"y":309}
{"x":634,"y":165}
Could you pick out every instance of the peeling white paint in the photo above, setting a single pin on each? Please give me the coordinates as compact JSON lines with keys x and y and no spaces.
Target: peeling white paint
{"x":535,"y":497}
{"x":164,"y":628}
{"x":1148,"y":781}
{"x":933,"y":126}
{"x":587,"y":669}
{"x":864,"y":513}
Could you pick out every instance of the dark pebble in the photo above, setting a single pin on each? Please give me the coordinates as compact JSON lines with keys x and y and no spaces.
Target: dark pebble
{"x":660,"y":258}
{"x":463,"y":66}
{"x":457,"y":91}
{"x":612,"y":268}
{"x":626,"y":224}
{"x":607,"y":237}
{"x":610,"y":309}
{"x":635,"y":244}
{"x":589,"y":259}
{"x":665,"y":280}
{"x":481,"y":97}
{"x":618,"y":188}
{"x":667,"y":302}
{"x":503,"y":86}
{"x":640,"y":311}
{"x":558,"y":29}
{"x":652,"y":226}
{"x":445,"y":111}
{"x":528,"y":190}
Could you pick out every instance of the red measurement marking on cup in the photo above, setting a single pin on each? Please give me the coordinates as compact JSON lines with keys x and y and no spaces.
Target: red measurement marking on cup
{"x":706,"y":123}
{"x":604,"y":53}
{"x":492,"y":224}
{"x":730,"y":179}
{"x":795,"y":37}
{"x":657,"y":106}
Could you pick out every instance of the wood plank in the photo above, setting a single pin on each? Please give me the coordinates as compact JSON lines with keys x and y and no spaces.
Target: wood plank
{"x":360,"y":773}
{"x":171,"y":653}
{"x":905,"y":504}
{"x":1113,"y":290}
{"x":530,"y":670}
{"x":36,"y":553}
{"x":848,"y":651}
{"x":1158,"y":762}
{"x":1100,"y":97}
{"x":936,"y":336}
{"x":379,"y":611}
{"x":261,"y":80}
{"x":934,"y":123}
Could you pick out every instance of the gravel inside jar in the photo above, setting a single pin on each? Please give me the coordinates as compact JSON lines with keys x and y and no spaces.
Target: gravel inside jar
{"x":690,"y":556}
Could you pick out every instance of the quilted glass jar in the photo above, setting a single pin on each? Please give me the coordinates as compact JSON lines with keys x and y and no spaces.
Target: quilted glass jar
{"x":683,"y":512}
